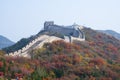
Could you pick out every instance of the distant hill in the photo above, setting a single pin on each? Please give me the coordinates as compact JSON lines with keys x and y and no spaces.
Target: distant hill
{"x":111,"y":32}
{"x":104,"y":45}
{"x":5,"y":42}
{"x":21,"y":43}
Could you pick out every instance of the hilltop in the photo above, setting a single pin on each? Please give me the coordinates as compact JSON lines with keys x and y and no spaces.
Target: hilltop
{"x":50,"y":33}
{"x":112,"y":33}
{"x":61,"y":60}
{"x":54,"y":58}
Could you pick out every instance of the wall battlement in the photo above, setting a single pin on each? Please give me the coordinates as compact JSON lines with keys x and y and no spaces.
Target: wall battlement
{"x":73,"y":30}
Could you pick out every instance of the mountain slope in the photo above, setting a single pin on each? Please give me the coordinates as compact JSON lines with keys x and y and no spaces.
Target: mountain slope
{"x":37,"y":43}
{"x":96,"y":58}
{"x":105,"y":45}
{"x":101,"y":43}
{"x":4,"y":42}
{"x":78,"y":61}
{"x":112,"y":33}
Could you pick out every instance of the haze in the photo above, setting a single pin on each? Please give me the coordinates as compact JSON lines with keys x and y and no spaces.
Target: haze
{"x":23,"y":18}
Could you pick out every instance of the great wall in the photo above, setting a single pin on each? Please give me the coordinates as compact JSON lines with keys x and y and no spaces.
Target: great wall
{"x":70,"y":33}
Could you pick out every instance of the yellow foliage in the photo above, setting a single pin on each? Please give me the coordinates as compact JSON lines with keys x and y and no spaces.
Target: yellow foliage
{"x":81,"y":57}
{"x":26,"y":66}
{"x":52,"y":74}
{"x":92,"y":78}
{"x":86,"y":55}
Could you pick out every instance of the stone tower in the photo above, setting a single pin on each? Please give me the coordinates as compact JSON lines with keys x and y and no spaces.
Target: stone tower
{"x":73,"y":31}
{"x":47,"y":24}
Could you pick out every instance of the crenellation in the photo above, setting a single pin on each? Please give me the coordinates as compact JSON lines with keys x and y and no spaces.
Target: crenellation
{"x":15,"y":52}
{"x":70,"y":33}
{"x":19,"y":51}
{"x":23,"y":49}
{"x":73,"y":30}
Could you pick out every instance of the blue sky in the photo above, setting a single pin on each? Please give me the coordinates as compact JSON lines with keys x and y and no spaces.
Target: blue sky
{"x":22,"y":18}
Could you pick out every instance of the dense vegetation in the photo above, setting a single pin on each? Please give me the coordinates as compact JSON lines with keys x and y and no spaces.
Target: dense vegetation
{"x":61,"y":61}
{"x":97,"y":58}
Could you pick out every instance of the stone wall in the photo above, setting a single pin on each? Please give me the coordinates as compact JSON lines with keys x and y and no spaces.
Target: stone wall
{"x":24,"y":51}
{"x":70,"y":33}
{"x":73,"y":30}
{"x":59,"y":29}
{"x":48,"y":23}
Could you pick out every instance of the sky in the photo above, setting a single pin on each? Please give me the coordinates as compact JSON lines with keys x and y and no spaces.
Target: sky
{"x":23,"y":18}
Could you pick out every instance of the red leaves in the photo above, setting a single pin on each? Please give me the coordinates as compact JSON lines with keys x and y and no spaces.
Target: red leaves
{"x":97,"y":61}
{"x":106,"y":78}
{"x":62,"y":45}
{"x":76,"y":58}
{"x":1,"y":74}
{"x":26,"y":71}
{"x":112,"y":48}
{"x":98,"y":36}
{"x":59,"y":60}
{"x":58,"y":65}
{"x":91,"y":43}
{"x":1,"y":64}
{"x":56,"y":58}
{"x":18,"y":75}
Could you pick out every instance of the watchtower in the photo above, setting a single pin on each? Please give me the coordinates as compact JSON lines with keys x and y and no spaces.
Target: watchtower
{"x":47,"y":24}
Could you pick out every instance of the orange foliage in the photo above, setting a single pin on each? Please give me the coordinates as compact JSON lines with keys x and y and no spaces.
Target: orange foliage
{"x":92,"y":78}
{"x":76,"y":58}
{"x":106,"y":79}
{"x":18,"y":75}
{"x":98,"y":61}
